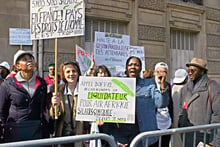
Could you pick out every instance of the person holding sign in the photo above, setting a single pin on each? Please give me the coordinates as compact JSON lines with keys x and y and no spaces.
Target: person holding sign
{"x":148,"y":98}
{"x":66,"y":99}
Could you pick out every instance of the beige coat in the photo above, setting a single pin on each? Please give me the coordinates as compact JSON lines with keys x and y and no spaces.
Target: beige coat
{"x":78,"y":125}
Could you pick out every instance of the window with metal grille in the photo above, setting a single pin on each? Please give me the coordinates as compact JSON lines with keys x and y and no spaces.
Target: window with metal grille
{"x":182,"y":46}
{"x":93,"y":25}
{"x":199,"y":2}
{"x":182,"y":40}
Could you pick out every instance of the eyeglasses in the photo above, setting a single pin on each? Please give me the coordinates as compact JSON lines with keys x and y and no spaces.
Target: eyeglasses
{"x":27,"y":59}
{"x":192,"y":70}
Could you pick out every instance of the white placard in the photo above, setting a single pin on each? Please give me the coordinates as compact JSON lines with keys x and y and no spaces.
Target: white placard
{"x":56,"y":18}
{"x":19,"y":36}
{"x":110,"y":99}
{"x":111,"y":49}
{"x":83,"y":58}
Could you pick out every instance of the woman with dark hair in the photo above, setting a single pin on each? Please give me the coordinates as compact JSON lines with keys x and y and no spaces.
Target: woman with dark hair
{"x":148,"y":98}
{"x":66,"y":100}
{"x":102,"y":71}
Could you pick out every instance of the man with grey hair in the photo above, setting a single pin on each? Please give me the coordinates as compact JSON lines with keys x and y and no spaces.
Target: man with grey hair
{"x":199,"y":103}
{"x":164,"y":115}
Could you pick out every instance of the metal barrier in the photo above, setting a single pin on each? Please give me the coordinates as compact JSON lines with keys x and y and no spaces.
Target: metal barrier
{"x":61,"y":140}
{"x":172,"y":132}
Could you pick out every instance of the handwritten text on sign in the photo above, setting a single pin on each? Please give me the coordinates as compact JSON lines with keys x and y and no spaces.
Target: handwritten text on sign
{"x":57,"y":18}
{"x":109,"y":99}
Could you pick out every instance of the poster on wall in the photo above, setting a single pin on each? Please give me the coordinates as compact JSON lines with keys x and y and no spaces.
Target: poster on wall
{"x":109,"y":99}
{"x":56,"y":18}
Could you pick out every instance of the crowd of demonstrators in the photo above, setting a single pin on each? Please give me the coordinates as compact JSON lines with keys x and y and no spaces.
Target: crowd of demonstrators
{"x":179,"y":80}
{"x":199,"y":102}
{"x":23,"y":101}
{"x":4,"y":71}
{"x":148,"y":97}
{"x":164,"y":115}
{"x":66,"y":100}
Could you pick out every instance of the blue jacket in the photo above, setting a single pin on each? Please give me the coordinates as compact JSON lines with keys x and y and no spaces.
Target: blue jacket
{"x":148,"y":98}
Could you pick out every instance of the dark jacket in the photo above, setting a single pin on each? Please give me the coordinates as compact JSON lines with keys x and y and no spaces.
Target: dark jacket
{"x":18,"y":107}
{"x":196,"y":107}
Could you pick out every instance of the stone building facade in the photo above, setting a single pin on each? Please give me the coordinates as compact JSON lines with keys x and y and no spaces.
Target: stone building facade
{"x":173,"y":31}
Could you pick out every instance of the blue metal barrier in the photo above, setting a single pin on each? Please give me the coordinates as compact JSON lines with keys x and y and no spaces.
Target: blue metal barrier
{"x":61,"y":140}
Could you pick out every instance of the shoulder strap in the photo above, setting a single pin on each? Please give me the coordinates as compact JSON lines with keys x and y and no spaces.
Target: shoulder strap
{"x":210,"y":95}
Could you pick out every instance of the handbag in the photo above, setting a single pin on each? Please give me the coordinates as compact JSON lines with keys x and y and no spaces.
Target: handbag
{"x":26,"y":130}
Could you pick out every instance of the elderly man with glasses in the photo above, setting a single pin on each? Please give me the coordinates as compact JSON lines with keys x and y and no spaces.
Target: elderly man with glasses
{"x":199,"y":103}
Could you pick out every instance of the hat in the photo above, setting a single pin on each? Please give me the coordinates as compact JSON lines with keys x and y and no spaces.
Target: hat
{"x":5,"y":65}
{"x":180,"y":76}
{"x":198,"y":63}
{"x":51,"y":64}
{"x":19,"y":53}
{"x":161,"y":64}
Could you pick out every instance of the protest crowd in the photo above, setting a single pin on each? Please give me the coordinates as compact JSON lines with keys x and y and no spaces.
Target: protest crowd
{"x":29,"y":106}
{"x":121,"y":101}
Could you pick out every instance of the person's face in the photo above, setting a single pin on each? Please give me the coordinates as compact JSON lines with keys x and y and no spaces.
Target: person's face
{"x":3,"y":72}
{"x":102,"y":73}
{"x":194,"y":73}
{"x":133,"y":68}
{"x":25,"y":63}
{"x":70,"y":73}
{"x":52,"y":70}
{"x":159,"y":72}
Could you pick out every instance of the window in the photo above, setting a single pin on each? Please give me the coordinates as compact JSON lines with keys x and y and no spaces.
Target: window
{"x":93,"y":25}
{"x":182,"y":46}
{"x":199,"y":2}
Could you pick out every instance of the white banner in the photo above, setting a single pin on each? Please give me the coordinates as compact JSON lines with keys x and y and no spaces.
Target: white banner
{"x":56,"y":18}
{"x":111,"y":49}
{"x":19,"y":36}
{"x":110,"y":99}
{"x":83,"y":59}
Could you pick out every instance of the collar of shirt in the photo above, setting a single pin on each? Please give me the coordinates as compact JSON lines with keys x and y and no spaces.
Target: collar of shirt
{"x":20,"y":79}
{"x":67,"y":91}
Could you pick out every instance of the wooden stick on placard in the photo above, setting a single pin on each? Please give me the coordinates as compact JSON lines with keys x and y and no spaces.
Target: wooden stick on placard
{"x":56,"y":76}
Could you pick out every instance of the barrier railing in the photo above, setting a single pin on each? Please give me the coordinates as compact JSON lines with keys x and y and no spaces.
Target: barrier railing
{"x":61,"y":140}
{"x":172,"y":132}
{"x":110,"y":139}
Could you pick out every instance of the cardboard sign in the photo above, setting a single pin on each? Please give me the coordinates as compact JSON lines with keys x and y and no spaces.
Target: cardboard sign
{"x":109,"y":99}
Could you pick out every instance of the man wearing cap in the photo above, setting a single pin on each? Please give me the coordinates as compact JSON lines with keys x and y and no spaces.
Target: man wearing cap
{"x":200,"y":103}
{"x":4,"y":70}
{"x":179,"y":80}
{"x":164,"y":115}
{"x":50,"y":78}
{"x":23,"y":101}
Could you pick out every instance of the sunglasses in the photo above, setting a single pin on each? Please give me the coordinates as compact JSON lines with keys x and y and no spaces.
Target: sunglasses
{"x":192,"y":70}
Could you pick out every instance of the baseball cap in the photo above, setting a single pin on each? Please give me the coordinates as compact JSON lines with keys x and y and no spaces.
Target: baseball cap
{"x":161,"y":64}
{"x":19,"y":53}
{"x":5,"y":65}
{"x":180,"y":76}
